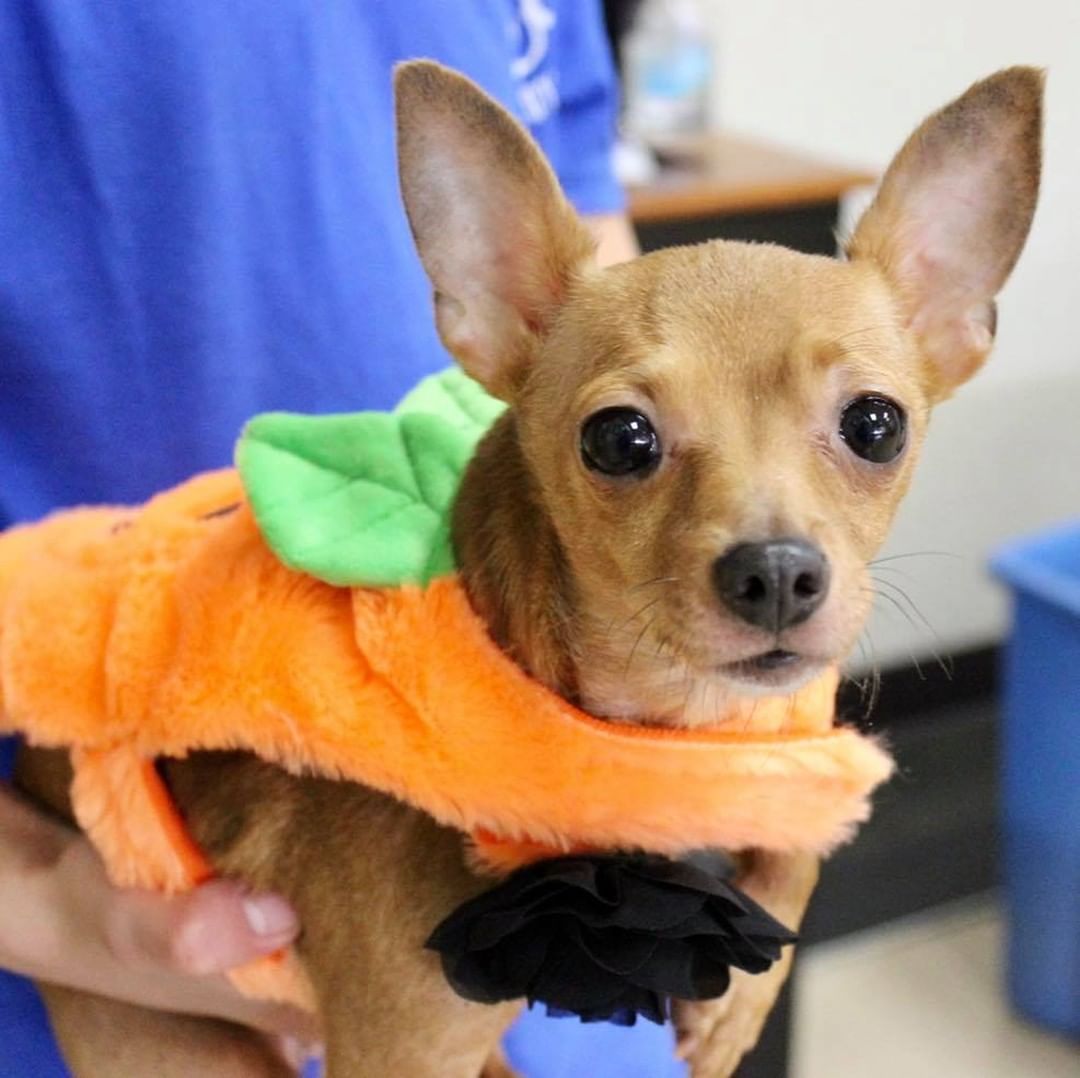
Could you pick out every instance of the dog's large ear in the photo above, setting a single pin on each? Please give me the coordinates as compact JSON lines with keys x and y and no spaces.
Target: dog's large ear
{"x":952,"y":214}
{"x":497,"y":237}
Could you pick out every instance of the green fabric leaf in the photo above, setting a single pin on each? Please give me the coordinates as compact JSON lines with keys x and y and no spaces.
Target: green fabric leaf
{"x":453,"y":395}
{"x":364,"y":499}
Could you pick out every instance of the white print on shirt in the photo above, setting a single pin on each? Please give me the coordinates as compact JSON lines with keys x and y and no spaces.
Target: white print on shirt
{"x":537,"y":93}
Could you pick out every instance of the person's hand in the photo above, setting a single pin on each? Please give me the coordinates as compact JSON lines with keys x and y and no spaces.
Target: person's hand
{"x":62,"y":922}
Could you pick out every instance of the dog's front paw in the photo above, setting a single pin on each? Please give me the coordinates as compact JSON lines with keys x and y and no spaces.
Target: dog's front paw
{"x":714,"y":1035}
{"x":498,"y":1067}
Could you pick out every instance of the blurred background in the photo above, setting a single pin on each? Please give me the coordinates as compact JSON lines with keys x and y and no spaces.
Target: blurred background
{"x":770,"y":121}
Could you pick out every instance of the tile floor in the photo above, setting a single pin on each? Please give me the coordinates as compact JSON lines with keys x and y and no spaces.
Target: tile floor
{"x":920,"y":997}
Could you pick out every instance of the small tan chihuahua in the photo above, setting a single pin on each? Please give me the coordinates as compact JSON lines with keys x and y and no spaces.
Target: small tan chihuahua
{"x":704,"y":447}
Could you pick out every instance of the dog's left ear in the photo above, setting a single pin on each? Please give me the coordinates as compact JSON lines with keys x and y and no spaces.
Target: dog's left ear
{"x":499,"y":241}
{"x":951,"y":217}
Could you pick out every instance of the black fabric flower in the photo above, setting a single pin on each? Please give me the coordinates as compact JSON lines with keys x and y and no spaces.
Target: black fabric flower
{"x":606,"y":937}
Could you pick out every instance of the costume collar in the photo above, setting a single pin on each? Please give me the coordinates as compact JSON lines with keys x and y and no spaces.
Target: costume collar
{"x":364,"y":500}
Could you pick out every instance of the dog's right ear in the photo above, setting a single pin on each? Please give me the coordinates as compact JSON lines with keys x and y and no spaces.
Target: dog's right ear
{"x":500,"y":243}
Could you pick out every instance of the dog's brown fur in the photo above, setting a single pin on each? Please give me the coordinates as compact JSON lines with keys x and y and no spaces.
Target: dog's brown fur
{"x":743,"y":357}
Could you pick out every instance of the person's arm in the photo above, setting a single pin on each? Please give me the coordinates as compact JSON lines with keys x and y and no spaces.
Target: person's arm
{"x":615,"y":237}
{"x":578,"y":136}
{"x":64,"y":923}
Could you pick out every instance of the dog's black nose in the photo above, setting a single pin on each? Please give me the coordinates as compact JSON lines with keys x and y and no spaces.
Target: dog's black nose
{"x":772,"y":585}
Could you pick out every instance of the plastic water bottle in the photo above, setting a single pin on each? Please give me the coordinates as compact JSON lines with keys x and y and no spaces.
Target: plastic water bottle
{"x":669,"y":67}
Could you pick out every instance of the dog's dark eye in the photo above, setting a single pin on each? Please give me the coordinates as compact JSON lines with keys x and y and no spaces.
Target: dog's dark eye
{"x":618,"y":441}
{"x":874,"y":428}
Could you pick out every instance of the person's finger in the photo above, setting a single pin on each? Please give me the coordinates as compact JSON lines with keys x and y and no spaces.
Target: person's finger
{"x":223,"y":926}
{"x":214,"y":928}
{"x":298,"y":1051}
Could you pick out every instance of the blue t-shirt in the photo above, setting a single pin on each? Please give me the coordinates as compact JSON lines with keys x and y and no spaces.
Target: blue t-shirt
{"x":199,"y":221}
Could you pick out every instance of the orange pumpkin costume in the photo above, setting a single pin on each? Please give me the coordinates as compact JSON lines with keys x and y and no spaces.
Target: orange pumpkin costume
{"x":129,"y":635}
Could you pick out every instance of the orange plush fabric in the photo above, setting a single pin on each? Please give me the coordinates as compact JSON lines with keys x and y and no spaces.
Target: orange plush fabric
{"x":128,"y":635}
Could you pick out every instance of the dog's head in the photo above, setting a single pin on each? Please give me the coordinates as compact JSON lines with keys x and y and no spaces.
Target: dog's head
{"x":720,"y":435}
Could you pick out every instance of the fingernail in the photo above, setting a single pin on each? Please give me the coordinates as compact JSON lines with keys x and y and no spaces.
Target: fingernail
{"x":270,"y":916}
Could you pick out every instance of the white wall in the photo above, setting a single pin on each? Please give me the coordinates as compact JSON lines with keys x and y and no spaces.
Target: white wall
{"x":848,"y":79}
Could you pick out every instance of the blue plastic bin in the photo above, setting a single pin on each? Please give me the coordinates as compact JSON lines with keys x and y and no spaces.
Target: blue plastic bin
{"x":1041,"y":777}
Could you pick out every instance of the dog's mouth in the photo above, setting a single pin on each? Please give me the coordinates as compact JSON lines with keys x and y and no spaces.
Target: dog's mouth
{"x":775,"y":668}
